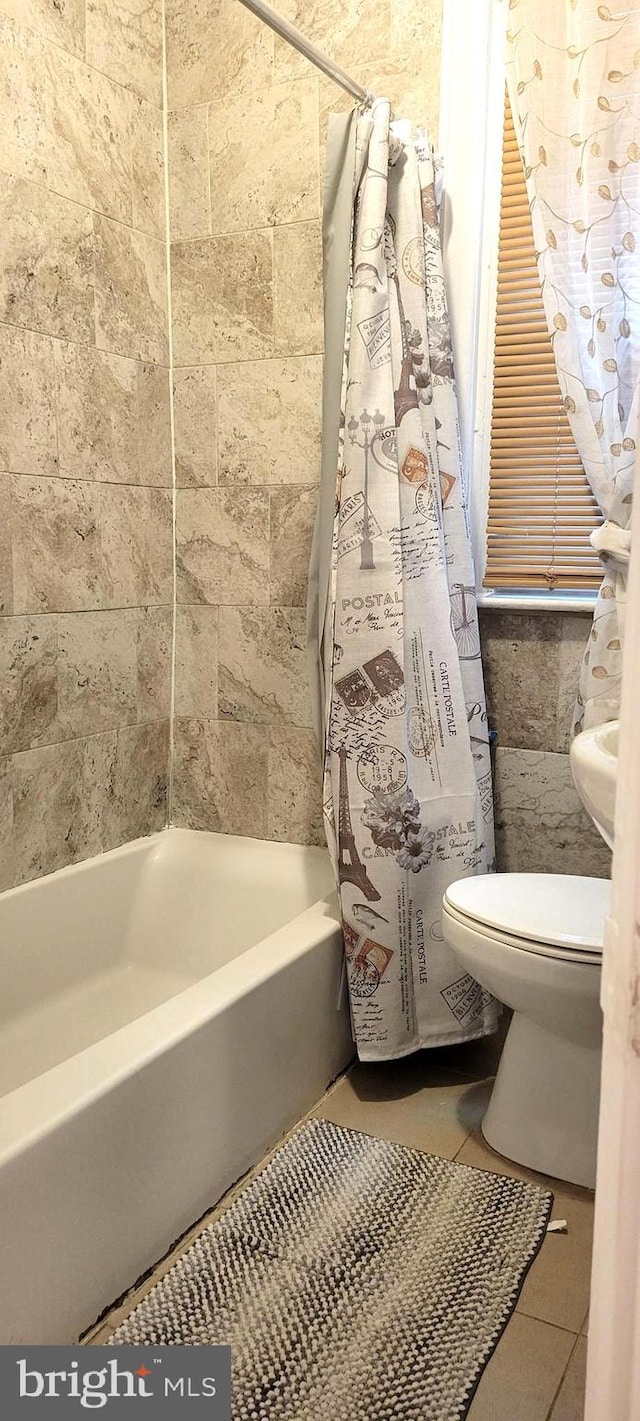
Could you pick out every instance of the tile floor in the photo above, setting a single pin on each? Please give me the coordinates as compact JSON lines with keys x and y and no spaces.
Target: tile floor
{"x":435,"y":1101}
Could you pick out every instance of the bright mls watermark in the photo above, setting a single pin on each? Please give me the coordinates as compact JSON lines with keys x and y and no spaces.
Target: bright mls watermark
{"x":164,"y":1382}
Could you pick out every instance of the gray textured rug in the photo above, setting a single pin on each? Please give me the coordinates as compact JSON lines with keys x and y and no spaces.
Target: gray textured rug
{"x":355,"y":1279}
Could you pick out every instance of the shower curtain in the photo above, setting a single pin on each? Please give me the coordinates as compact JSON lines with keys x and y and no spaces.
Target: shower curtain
{"x":400,"y":704}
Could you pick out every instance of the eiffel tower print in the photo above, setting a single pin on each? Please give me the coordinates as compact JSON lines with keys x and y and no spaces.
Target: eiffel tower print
{"x":350,"y":867}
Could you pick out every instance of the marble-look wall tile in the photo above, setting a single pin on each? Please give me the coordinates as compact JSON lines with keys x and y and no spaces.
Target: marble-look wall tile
{"x":574,"y":635}
{"x":113,"y":417}
{"x":69,"y":127}
{"x":520,"y":655}
{"x":97,"y":415}
{"x":222,"y":298}
{"x":89,"y":136}
{"x":408,"y":77}
{"x":24,"y":125}
{"x":222,"y":546}
{"x":245,"y":190}
{"x":81,"y":797}
{"x":85,"y":690}
{"x":220,"y":777}
{"x":138,"y":803}
{"x":84,"y":547}
{"x":6,"y":825}
{"x":262,"y":668}
{"x":63,"y":23}
{"x":131,"y":293}
{"x":97,"y":671}
{"x":414,"y":25}
{"x":189,"y":203}
{"x":293,"y":512}
{"x":267,"y":382}
{"x":154,"y":652}
{"x":531,"y":667}
{"x":212,"y":45}
{"x":295,"y":787}
{"x":28,"y":682}
{"x":269,"y":419}
{"x":59,"y":799}
{"x":27,"y":403}
{"x":69,"y":676}
{"x":541,"y":826}
{"x":154,"y":425}
{"x":6,"y":559}
{"x":196,"y":690}
{"x":342,"y":30}
{"x":297,"y":264}
{"x":147,"y":170}
{"x":195,"y":425}
{"x":124,"y":40}
{"x":46,"y":262}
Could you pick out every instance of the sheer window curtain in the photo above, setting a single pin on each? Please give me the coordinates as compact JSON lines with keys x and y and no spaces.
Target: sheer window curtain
{"x":573,"y":71}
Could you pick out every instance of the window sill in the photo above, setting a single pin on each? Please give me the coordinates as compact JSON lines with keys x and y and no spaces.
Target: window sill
{"x":502,"y":600}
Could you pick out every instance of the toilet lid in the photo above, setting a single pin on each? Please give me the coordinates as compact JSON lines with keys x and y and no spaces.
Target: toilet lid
{"x":557,"y":910}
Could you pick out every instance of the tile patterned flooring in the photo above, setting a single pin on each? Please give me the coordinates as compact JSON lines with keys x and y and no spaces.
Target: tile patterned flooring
{"x":435,"y":1101}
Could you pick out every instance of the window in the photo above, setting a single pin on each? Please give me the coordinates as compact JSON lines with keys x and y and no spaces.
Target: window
{"x":541,"y":508}
{"x":530,"y":503}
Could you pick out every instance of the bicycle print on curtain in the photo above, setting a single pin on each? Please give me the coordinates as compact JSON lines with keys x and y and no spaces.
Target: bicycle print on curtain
{"x":408,"y":802}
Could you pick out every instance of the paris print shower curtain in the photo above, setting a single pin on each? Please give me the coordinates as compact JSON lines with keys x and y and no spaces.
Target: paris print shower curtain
{"x":392,"y":609}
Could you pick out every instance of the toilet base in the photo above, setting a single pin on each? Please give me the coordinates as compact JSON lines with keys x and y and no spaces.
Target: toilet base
{"x":543,"y":1111}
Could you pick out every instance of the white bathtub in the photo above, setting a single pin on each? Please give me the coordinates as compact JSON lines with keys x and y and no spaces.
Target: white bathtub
{"x":166,"y":1012}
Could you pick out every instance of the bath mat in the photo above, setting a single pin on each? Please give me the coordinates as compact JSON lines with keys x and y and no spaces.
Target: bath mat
{"x":355,"y":1279}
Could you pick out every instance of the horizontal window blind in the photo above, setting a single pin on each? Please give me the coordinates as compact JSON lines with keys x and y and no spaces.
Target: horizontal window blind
{"x":541,"y":509}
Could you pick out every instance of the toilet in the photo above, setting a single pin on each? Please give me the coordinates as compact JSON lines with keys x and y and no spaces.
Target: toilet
{"x":535,"y":941}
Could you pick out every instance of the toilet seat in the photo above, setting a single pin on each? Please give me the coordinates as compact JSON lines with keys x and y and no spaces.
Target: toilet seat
{"x":522,"y":944}
{"x":552,"y":915}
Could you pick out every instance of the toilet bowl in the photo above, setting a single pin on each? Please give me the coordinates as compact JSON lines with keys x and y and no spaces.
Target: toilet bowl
{"x":535,"y":941}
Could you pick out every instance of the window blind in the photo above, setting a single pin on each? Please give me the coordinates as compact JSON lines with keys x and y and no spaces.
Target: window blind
{"x":541,"y":509}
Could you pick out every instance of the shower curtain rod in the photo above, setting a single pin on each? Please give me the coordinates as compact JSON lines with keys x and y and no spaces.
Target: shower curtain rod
{"x":294,"y":37}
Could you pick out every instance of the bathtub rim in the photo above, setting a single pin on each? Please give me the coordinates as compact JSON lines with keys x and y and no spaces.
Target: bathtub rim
{"x":147,"y":842}
{"x":43,"y":1104}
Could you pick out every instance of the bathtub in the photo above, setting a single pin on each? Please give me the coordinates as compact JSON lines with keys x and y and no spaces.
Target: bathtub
{"x":167,"y":1011}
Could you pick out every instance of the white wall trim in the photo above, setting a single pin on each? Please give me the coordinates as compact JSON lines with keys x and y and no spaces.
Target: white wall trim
{"x":471,"y":121}
{"x":613,"y":1368}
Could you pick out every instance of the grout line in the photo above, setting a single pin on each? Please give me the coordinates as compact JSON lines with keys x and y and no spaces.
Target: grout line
{"x":82,"y":59}
{"x":549,"y":1413}
{"x":102,"y":483}
{"x":143,"y":606}
{"x":80,"y":739}
{"x":83,"y":206}
{"x":396,"y":54}
{"x":165,"y":144}
{"x":243,"y":231}
{"x":56,"y":399}
{"x":259,"y":360}
{"x":559,"y":1326}
{"x":209,"y":206}
{"x":84,"y":345}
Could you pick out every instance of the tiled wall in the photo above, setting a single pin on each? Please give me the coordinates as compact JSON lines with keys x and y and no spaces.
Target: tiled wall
{"x":85,"y":445}
{"x":247,"y":331}
{"x":85,"y":450}
{"x":531,"y":666}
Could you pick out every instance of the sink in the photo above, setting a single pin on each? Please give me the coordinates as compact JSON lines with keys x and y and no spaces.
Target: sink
{"x":594,"y":766}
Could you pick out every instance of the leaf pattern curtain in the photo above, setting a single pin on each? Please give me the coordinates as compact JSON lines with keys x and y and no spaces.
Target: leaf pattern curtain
{"x":573,"y":71}
{"x":407,"y":792}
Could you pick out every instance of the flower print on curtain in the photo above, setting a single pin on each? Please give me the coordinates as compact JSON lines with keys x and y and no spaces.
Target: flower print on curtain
{"x":573,"y":73}
{"x":408,"y":801}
